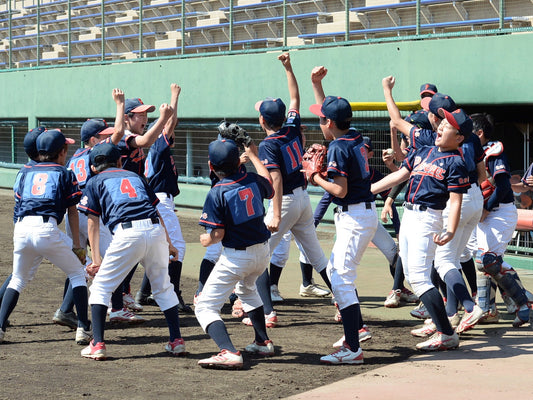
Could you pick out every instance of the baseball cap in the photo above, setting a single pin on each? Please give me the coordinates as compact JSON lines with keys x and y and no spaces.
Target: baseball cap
{"x":439,"y":101}
{"x":30,"y":141}
{"x":334,"y":108}
{"x":223,"y":153}
{"x":52,"y":141}
{"x":459,"y":120}
{"x":428,"y":88}
{"x":368,"y":143}
{"x":272,"y":110}
{"x":104,"y":153}
{"x":420,"y":119}
{"x":93,"y":127}
{"x":137,"y":106}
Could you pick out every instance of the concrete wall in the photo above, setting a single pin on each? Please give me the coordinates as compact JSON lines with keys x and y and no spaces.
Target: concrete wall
{"x":476,"y":70}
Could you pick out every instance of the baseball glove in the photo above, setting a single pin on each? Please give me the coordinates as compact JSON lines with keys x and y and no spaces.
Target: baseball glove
{"x":81,"y":254}
{"x":314,"y":162}
{"x":235,"y":133}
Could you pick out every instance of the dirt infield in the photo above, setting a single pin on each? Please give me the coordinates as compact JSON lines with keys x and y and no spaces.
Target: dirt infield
{"x":40,"y":359}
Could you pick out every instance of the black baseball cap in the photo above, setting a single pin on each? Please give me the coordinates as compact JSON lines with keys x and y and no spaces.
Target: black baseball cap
{"x":93,"y":127}
{"x":272,"y":110}
{"x":104,"y":153}
{"x":335,"y":108}
{"x":30,"y":141}
{"x":52,"y":141}
{"x":438,"y":101}
{"x":459,"y":120}
{"x":223,"y":153}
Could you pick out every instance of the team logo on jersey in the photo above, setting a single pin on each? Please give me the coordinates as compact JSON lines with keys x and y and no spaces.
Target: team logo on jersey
{"x":430,"y":170}
{"x":265,"y":161}
{"x":417,"y":133}
{"x":332,"y":164}
{"x":84,"y":200}
{"x":204,"y":216}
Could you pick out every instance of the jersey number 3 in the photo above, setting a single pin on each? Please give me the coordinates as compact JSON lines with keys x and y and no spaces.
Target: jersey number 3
{"x":127,"y":188}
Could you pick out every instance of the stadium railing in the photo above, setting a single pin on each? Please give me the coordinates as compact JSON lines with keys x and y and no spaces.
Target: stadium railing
{"x":285,"y":23}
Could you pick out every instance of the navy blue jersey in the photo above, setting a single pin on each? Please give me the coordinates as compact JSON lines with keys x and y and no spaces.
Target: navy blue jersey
{"x":160,"y":169}
{"x":471,"y":148}
{"x":17,"y":180}
{"x":348,"y":157}
{"x":80,"y":164}
{"x":433,"y":175}
{"x":284,"y":151}
{"x":497,"y":168}
{"x":132,"y":157}
{"x":235,"y":204}
{"x":46,"y":189}
{"x":117,"y":195}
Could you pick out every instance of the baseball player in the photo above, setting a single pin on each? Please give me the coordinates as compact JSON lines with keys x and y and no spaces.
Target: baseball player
{"x":127,"y":205}
{"x":355,"y":215}
{"x":436,"y":174}
{"x":133,"y":159}
{"x":30,"y":147}
{"x":44,"y":191}
{"x":447,"y":256}
{"x":160,"y":171}
{"x":497,"y":224}
{"x":233,"y":214}
{"x":290,"y":208}
{"x":94,"y":132}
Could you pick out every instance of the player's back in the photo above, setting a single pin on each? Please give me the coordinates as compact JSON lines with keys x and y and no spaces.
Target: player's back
{"x":283,"y":150}
{"x":46,"y":189}
{"x":119,"y":196}
{"x":236,"y":205}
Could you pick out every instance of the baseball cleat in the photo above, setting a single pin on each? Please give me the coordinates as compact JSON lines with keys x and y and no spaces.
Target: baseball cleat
{"x":408,"y":296}
{"x":83,"y":337}
{"x":130,"y":303}
{"x":439,"y":341}
{"x":344,"y":356}
{"x":393,"y":299}
{"x":265,"y":349}
{"x":420,"y":312}
{"x":144,"y":299}
{"x":490,"y":317}
{"x":223,"y":360}
{"x":455,"y":319}
{"x":470,"y":319}
{"x":275,"y":295}
{"x":364,"y":335}
{"x":95,"y":351}
{"x":428,"y":329}
{"x":176,"y":347}
{"x":184,"y":308}
{"x":313,"y":290}
{"x":125,"y":315}
{"x":65,"y":319}
{"x":271,"y":320}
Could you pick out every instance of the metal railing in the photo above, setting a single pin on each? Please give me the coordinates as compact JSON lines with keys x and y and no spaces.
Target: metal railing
{"x":273,"y":24}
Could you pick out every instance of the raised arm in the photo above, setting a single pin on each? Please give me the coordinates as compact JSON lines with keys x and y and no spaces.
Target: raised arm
{"x":317,"y":74}
{"x":175,"y":91}
{"x":118,"y":96}
{"x":390,"y":180}
{"x":291,"y":82}
{"x":396,"y":119}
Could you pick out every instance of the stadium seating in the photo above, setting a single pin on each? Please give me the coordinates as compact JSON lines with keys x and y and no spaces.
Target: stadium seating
{"x":205,"y":24}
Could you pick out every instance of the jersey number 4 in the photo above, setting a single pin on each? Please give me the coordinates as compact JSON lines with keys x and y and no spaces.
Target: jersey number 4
{"x":127,"y":188}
